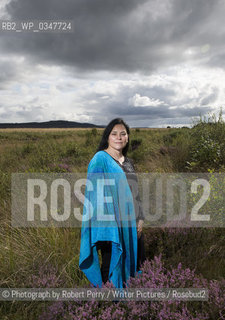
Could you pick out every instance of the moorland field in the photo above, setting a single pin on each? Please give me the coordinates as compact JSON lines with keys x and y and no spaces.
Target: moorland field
{"x":177,"y":257}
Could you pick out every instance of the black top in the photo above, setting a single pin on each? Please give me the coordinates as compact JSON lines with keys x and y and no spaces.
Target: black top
{"x":132,"y":180}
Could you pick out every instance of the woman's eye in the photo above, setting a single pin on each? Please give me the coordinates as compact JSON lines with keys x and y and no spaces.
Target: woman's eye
{"x":114,"y":134}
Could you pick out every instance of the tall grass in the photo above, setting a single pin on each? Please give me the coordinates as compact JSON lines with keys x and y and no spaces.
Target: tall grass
{"x":32,"y":257}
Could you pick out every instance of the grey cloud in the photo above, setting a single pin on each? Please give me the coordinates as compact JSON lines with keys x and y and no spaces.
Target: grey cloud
{"x":140,"y":36}
{"x":22,"y":113}
{"x":31,"y":9}
{"x":111,"y":35}
{"x":217,"y":60}
{"x":119,"y":106}
{"x":125,"y":92}
{"x":160,"y":112}
{"x":8,"y":72}
{"x":210,"y":98}
{"x":152,"y":117}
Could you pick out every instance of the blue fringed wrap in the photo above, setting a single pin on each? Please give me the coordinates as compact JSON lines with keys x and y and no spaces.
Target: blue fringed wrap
{"x":113,"y":202}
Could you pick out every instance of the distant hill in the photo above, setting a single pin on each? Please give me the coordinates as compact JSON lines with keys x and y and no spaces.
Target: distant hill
{"x":50,"y":124}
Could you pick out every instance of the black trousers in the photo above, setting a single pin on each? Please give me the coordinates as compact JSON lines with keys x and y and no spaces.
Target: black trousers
{"x":106,"y":249}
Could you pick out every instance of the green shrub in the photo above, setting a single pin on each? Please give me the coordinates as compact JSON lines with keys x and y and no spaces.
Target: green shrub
{"x":208,"y":144}
{"x":94,"y":132}
{"x":178,"y":143}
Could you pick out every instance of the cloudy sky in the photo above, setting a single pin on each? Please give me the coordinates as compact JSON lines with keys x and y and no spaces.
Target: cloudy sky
{"x":152,"y":62}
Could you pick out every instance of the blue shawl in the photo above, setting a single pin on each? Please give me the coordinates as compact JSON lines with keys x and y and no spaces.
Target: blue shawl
{"x":108,"y":215}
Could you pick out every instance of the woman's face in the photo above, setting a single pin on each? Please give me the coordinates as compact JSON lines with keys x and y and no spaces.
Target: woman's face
{"x":118,"y":137}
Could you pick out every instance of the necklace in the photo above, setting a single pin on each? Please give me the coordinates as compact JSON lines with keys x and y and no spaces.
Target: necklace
{"x":115,"y":158}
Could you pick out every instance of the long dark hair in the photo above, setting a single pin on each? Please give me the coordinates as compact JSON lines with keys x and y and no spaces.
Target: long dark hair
{"x":104,"y":141}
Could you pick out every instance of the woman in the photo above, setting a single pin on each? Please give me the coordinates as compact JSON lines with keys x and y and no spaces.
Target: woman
{"x":119,"y":237}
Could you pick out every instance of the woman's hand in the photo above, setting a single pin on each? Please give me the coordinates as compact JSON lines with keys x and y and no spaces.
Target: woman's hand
{"x":139,"y":228}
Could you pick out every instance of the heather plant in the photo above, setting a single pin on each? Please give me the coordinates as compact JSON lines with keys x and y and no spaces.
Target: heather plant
{"x":61,"y":167}
{"x":193,"y":247}
{"x":47,"y":277}
{"x":154,"y":275}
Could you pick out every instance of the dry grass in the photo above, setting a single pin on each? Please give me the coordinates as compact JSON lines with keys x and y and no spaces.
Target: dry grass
{"x":67,"y":129}
{"x":43,"y":129}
